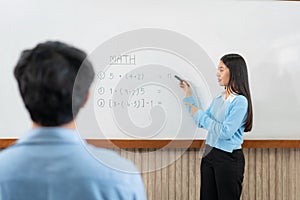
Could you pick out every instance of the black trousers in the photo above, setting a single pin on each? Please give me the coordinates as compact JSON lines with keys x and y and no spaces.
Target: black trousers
{"x":222,"y":174}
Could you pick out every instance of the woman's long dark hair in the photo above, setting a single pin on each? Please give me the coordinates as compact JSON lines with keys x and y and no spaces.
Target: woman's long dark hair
{"x":238,"y":82}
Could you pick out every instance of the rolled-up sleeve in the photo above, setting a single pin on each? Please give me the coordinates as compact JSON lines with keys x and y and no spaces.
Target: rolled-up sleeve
{"x":201,"y":118}
{"x":191,"y":101}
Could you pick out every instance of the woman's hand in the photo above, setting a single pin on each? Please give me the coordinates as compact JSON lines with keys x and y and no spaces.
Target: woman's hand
{"x":194,"y":109}
{"x":186,"y":88}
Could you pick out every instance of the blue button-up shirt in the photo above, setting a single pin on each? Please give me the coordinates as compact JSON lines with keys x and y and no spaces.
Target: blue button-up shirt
{"x":224,"y":120}
{"x":56,"y":164}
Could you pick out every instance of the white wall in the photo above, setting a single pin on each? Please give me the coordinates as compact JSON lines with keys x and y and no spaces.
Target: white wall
{"x":267,"y":34}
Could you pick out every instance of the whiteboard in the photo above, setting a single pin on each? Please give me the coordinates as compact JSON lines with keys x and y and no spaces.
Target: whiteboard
{"x":266,"y":33}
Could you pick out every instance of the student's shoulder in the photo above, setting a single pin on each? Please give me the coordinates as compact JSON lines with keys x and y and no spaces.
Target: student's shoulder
{"x":7,"y":160}
{"x":112,"y":160}
{"x":7,"y":154}
{"x":240,"y":99}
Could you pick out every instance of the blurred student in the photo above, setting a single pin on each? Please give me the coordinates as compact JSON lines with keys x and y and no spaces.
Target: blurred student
{"x":51,"y":161}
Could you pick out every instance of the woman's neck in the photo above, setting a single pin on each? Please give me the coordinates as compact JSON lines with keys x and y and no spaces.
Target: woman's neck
{"x":227,"y":93}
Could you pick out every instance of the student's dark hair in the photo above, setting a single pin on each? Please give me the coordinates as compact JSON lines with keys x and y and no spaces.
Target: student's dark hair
{"x":238,"y":82}
{"x":46,"y":77}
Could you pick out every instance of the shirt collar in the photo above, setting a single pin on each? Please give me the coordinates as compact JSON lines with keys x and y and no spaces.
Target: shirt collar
{"x":230,"y":98}
{"x":50,"y":135}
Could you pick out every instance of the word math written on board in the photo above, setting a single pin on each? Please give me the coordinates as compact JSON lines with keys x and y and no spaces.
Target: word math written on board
{"x":145,"y":96}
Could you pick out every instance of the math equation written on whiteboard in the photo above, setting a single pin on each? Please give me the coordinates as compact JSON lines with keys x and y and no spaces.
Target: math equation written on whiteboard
{"x":137,"y":97}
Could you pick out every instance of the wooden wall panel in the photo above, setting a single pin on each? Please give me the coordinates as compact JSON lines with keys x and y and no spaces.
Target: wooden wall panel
{"x":297,"y":164}
{"x":251,"y":175}
{"x":245,"y":194}
{"x":198,"y":182}
{"x":278,"y":174}
{"x":172,"y":174}
{"x":178,"y":181}
{"x":164,"y":175}
{"x":270,"y":174}
{"x":258,"y":174}
{"x":191,"y":173}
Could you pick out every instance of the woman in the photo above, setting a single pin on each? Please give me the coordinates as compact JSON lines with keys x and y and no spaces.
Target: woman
{"x":227,"y":118}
